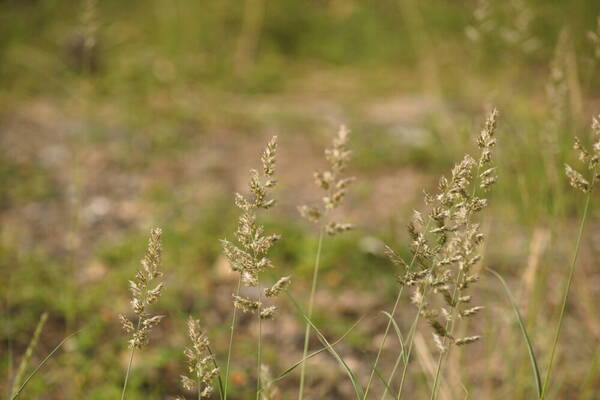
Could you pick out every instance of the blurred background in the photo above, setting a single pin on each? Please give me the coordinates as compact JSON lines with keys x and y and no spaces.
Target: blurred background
{"x":119,"y":116}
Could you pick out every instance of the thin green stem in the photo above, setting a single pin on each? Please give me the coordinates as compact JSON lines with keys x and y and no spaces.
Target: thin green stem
{"x":385,"y":334}
{"x":404,"y":355}
{"x":40,"y":365}
{"x":566,"y":294}
{"x":259,"y":350}
{"x":382,"y":344}
{"x":29,"y":352}
{"x":127,"y":373}
{"x":311,"y":301}
{"x":198,"y":381}
{"x":219,"y":380}
{"x":231,"y":331}
{"x":443,"y":353}
{"x":139,"y":323}
{"x":412,"y":334}
{"x":393,"y":313}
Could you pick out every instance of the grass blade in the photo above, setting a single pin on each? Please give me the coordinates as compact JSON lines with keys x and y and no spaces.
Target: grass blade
{"x":29,"y":352}
{"x":532,"y":358}
{"x":357,"y":387}
{"x":386,"y":385}
{"x":317,"y":352}
{"x":398,"y":333}
{"x":40,"y":365}
{"x":219,"y":379}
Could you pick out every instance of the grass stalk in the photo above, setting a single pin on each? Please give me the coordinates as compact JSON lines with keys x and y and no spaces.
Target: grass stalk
{"x":29,"y":352}
{"x":412,"y":333}
{"x":383,"y":340}
{"x":127,"y":373}
{"x":566,"y":294}
{"x":259,"y":349}
{"x":129,"y":365}
{"x":311,"y":301}
{"x":387,"y":329}
{"x":358,"y":390}
{"x":532,"y":357}
{"x":40,"y":365}
{"x":231,"y":333}
{"x":219,"y":379}
{"x":455,"y":292}
{"x":442,"y":356}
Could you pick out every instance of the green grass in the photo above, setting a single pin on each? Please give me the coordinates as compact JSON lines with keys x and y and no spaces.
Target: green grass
{"x":165,"y":94}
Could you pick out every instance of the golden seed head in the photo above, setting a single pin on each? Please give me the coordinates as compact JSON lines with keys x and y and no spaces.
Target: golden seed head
{"x":144,"y":293}
{"x":466,"y":340}
{"x":245,"y":304}
{"x":445,"y":242}
{"x":200,"y":362}
{"x":332,"y":182}
{"x":249,"y":256}
{"x":268,"y":312}
{"x":279,"y":286}
{"x":576,"y":179}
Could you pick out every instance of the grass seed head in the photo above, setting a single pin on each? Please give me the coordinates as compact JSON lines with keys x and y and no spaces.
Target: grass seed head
{"x":279,"y":286}
{"x":200,"y":361}
{"x":248,"y":255}
{"x":334,"y":184}
{"x":145,"y":292}
{"x":466,"y":340}
{"x":268,"y":390}
{"x":446,"y":242}
{"x":245,"y":304}
{"x":590,"y":160}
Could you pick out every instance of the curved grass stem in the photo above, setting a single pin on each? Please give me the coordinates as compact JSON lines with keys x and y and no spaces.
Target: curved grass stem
{"x":231,"y":331}
{"x":127,"y":373}
{"x":412,"y":333}
{"x":311,"y":300}
{"x":385,"y":335}
{"x":259,"y":350}
{"x":566,"y":295}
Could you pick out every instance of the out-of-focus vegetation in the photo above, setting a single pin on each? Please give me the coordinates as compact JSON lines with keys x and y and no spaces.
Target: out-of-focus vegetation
{"x":117,"y":116}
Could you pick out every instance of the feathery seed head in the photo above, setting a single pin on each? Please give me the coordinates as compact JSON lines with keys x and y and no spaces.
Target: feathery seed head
{"x":268,"y":312}
{"x":445,"y":242}
{"x":201,"y":363}
{"x":471,"y":311}
{"x":466,"y":340}
{"x":245,"y":304}
{"x":439,"y":343}
{"x":312,"y":214}
{"x":268,"y":160}
{"x":279,"y":286}
{"x":333,"y":228}
{"x":268,"y":391}
{"x":249,"y":256}
{"x":144,"y":293}
{"x":576,"y":179}
{"x":335,"y":186}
